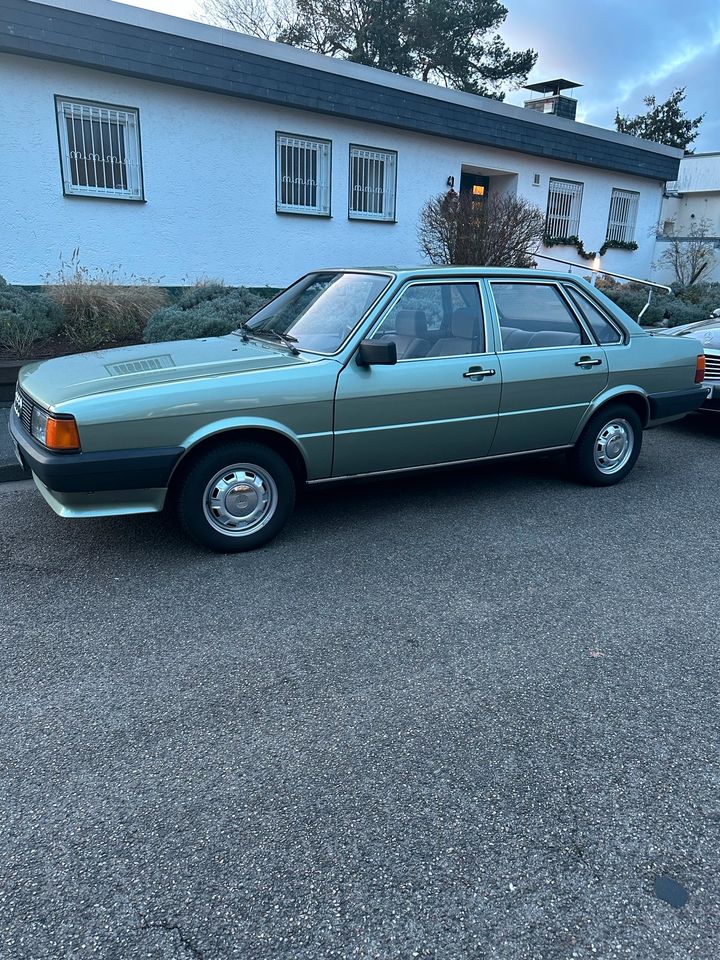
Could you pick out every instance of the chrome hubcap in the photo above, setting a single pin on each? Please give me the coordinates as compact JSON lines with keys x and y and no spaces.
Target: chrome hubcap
{"x":240,"y":499}
{"x":614,"y":446}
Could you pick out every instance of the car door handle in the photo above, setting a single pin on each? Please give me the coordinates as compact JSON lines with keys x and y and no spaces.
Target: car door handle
{"x":475,"y":372}
{"x":588,"y":362}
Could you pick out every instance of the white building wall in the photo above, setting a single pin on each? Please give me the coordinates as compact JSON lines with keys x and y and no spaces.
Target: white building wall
{"x":209,"y":173}
{"x":691,"y":199}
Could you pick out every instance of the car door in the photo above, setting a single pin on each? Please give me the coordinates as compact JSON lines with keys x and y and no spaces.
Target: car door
{"x":438,"y":403}
{"x":552,"y":369}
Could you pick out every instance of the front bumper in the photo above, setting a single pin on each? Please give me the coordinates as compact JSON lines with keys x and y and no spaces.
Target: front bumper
{"x":676,"y":403}
{"x":109,"y":470}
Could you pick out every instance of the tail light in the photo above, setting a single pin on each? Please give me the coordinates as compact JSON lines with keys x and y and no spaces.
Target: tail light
{"x":700,"y":369}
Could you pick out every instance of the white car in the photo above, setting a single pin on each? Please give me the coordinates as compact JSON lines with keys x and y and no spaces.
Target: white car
{"x":707,"y":332}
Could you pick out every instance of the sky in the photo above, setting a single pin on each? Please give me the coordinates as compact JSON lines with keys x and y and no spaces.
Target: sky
{"x":620,"y":50}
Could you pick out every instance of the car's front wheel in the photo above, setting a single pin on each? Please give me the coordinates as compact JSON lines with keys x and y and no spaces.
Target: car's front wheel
{"x":236,"y":497}
{"x":608,"y":446}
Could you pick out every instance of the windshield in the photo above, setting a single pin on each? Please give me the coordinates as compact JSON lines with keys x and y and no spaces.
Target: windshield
{"x":320,"y":311}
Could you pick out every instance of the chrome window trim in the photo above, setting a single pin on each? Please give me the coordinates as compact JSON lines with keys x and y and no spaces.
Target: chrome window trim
{"x":436,"y":281}
{"x":565,"y":299}
{"x":581,"y":293}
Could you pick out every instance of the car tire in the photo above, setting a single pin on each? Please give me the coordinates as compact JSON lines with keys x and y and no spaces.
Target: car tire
{"x":608,"y":446}
{"x":236,"y":497}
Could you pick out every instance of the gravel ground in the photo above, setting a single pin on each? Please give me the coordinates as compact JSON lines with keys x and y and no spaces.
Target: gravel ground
{"x":470,"y":714}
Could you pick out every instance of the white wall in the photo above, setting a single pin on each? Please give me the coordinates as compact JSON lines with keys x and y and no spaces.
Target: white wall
{"x":694,"y":197}
{"x":208,"y":164}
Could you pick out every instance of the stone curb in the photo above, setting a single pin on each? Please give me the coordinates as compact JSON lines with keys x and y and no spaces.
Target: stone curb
{"x":12,"y":471}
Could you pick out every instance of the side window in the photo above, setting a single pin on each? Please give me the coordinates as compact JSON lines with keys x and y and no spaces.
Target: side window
{"x":597,"y":321}
{"x":534,"y":315}
{"x":435,"y":320}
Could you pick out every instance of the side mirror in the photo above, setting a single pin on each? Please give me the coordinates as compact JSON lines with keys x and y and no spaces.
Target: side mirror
{"x":377,"y":351}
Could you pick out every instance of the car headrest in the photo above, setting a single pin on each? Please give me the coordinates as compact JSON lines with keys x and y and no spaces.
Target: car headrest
{"x":554,"y":338}
{"x":411,"y":323}
{"x":464,"y":323}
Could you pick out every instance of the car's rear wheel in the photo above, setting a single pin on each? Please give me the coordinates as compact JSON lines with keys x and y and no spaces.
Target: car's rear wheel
{"x":236,"y":497}
{"x":608,"y":446}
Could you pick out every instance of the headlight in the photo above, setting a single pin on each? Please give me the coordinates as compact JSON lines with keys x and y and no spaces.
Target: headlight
{"x":39,"y":425}
{"x":55,"y":433}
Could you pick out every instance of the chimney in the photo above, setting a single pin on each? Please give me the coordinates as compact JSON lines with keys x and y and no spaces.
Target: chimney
{"x":551,"y":99}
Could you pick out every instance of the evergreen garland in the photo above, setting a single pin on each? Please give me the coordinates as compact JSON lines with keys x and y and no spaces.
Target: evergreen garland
{"x":589,"y":254}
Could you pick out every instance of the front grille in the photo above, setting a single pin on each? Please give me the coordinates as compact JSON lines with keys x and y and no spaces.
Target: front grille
{"x":26,"y":411}
{"x":712,"y":366}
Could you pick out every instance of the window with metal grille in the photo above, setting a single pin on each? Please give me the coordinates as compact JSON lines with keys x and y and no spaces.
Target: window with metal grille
{"x":99,"y":149}
{"x":563,"y":209}
{"x":303,"y":175}
{"x":623,"y":216}
{"x":372,"y":183}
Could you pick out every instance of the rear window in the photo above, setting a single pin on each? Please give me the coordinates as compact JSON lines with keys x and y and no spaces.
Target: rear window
{"x":594,"y":317}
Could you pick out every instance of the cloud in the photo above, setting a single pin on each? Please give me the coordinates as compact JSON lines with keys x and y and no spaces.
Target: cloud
{"x":621,"y":52}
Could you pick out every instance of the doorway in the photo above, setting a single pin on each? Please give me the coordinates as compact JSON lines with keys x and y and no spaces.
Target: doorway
{"x":476,"y":185}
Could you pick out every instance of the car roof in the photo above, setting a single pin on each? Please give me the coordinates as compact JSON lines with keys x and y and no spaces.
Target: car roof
{"x":456,"y":271}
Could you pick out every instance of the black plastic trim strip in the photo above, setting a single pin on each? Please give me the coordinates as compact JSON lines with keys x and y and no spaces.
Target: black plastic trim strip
{"x":676,"y":402}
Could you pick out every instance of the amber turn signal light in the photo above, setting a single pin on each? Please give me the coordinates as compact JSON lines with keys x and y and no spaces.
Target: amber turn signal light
{"x":62,"y":434}
{"x":700,"y":369}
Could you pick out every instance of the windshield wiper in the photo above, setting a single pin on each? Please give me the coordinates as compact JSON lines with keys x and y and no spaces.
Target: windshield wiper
{"x":285,"y":338}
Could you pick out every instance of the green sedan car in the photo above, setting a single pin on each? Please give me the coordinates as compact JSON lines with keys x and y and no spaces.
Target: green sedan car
{"x":349,"y":372}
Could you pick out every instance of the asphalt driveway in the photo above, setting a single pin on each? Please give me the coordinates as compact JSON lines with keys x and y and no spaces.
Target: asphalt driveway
{"x":473,"y":714}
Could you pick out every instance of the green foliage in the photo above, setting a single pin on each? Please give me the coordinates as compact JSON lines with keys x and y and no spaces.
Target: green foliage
{"x":680,"y":311}
{"x":206,"y":310}
{"x":684,"y":305}
{"x":705,"y":295}
{"x":456,"y":44}
{"x":664,"y":122}
{"x":25,"y":318}
{"x":591,"y":254}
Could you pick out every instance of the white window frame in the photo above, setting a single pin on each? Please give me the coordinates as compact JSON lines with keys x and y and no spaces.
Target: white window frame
{"x":323,"y":152}
{"x":622,"y":216}
{"x":385,"y":199}
{"x":126,"y":119}
{"x":562,"y":218}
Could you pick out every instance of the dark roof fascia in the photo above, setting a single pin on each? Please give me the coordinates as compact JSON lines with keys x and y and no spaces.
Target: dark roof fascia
{"x":67,"y":36}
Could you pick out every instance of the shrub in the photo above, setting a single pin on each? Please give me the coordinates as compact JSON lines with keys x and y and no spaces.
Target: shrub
{"x":207,"y":310}
{"x":502,"y":231}
{"x":632,"y":297}
{"x":25,"y":318}
{"x":706,"y":295}
{"x":685,"y":305}
{"x":679,"y":312}
{"x":98,"y":309}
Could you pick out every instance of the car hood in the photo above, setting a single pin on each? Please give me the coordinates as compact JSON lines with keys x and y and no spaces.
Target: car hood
{"x":706,"y":331}
{"x":51,"y":382}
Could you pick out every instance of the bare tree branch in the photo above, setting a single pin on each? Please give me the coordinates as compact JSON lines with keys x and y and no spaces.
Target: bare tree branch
{"x":692,"y":257}
{"x":503,"y":231}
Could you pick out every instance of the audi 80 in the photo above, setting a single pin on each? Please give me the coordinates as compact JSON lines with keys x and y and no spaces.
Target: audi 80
{"x":349,"y":372}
